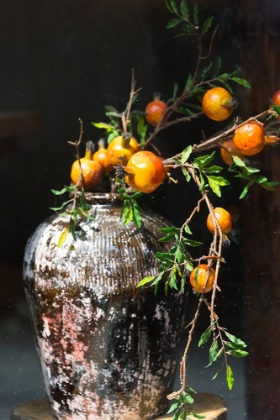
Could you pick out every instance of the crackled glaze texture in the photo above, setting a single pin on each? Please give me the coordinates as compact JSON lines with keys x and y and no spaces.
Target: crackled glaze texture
{"x":108,"y":350}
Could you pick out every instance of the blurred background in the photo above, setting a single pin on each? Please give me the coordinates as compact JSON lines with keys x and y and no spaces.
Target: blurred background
{"x":62,"y":60}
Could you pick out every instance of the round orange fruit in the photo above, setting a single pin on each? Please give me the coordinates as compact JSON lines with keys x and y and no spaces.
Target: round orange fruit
{"x":223,"y":218}
{"x":154,"y":111}
{"x":202,"y":278}
{"x":121,"y":148}
{"x":218,"y":104}
{"x":249,"y":138}
{"x":144,"y":171}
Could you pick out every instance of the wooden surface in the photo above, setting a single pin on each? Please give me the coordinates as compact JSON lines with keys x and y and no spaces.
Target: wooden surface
{"x":208,"y":405}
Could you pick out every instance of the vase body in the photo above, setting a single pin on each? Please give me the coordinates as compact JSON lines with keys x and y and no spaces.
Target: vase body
{"x":108,"y":350}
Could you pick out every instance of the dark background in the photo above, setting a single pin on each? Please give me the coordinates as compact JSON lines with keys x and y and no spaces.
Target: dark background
{"x":66,"y":60}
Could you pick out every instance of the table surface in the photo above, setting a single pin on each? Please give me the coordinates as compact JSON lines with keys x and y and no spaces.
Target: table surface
{"x":211,"y":406}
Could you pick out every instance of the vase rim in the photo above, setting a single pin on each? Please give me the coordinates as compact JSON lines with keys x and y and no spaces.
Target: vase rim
{"x":102,"y":197}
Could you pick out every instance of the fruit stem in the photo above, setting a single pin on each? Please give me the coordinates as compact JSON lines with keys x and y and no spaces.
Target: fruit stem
{"x":126,"y":138}
{"x":90,"y":149}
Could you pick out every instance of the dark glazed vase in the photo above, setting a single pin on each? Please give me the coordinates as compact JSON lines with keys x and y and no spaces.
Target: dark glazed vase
{"x":108,"y":350}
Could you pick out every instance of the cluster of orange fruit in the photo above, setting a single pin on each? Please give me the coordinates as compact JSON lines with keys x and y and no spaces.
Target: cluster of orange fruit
{"x":144,"y":170}
{"x":249,"y":138}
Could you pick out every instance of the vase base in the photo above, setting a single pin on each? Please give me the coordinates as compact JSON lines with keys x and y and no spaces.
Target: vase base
{"x":210,"y":406}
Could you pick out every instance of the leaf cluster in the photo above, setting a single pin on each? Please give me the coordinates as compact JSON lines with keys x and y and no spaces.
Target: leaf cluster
{"x":230,"y":345}
{"x":180,"y":407}
{"x":251,"y":175}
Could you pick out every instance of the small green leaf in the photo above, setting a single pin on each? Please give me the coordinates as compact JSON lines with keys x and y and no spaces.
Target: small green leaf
{"x":207,"y":25}
{"x":174,"y":6}
{"x":145,"y":280}
{"x":213,"y":169}
{"x":241,"y":81}
{"x":238,"y":161}
{"x":214,"y":187}
{"x":226,"y":85}
{"x":175,"y":90}
{"x":213,"y":351}
{"x":191,"y":242}
{"x":126,"y":213}
{"x":187,"y":230}
{"x":219,"y":180}
{"x":237,"y":353}
{"x":64,"y":190}
{"x":196,"y":416}
{"x":112,"y":135}
{"x":168,"y":6}
{"x":187,"y":398}
{"x":235,"y":340}
{"x":184,"y":10}
{"x":203,"y":161}
{"x":173,"y":22}
{"x":270,"y":185}
{"x":186,"y":154}
{"x":188,"y":82}
{"x":102,"y":125}
{"x":245,"y":190}
{"x":204,"y":337}
{"x":195,"y":14}
{"x":173,"y":407}
{"x":186,"y":173}
{"x":230,"y":377}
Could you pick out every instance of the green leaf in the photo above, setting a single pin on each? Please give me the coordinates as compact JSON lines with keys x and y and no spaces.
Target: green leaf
{"x":227,"y":86}
{"x":230,"y":377}
{"x":217,"y":66}
{"x":189,"y":266}
{"x":173,"y":22}
{"x":168,"y":6}
{"x":102,"y":125}
{"x":238,"y":161}
{"x":219,"y":180}
{"x":188,"y":82}
{"x":214,"y":187}
{"x":136,"y":213}
{"x":207,"y":25}
{"x":241,"y":81}
{"x":195,"y":14}
{"x":174,"y":5}
{"x":186,"y":173}
{"x":173,"y":407}
{"x":63,"y":205}
{"x":270,"y":185}
{"x":64,"y":190}
{"x":187,"y":230}
{"x":202,"y":182}
{"x":126,"y":213}
{"x":186,"y":398}
{"x":213,"y":351}
{"x":245,"y":190}
{"x":233,"y":339}
{"x":186,"y":154}
{"x":213,"y":169}
{"x":184,"y":10}
{"x":175,"y":90}
{"x":191,"y":242}
{"x":145,"y":280}
{"x":205,"y":337}
{"x":112,"y":135}
{"x":237,"y":353}
{"x":203,"y":161}
{"x":196,"y":416}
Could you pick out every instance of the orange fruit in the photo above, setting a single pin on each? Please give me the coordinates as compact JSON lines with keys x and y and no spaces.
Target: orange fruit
{"x":85,"y":172}
{"x":202,"y":278}
{"x":249,"y":138}
{"x":121,"y":148}
{"x":223,"y":218}
{"x":228,"y":150}
{"x":154,"y":111}
{"x":101,"y":156}
{"x":218,"y":104}
{"x":144,"y":172}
